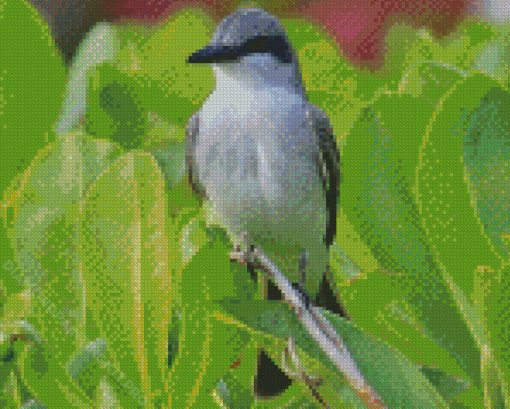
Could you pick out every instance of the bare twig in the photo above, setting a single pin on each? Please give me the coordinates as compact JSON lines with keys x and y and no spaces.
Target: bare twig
{"x":319,"y":328}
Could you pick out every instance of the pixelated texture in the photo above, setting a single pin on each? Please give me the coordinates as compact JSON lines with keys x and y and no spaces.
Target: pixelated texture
{"x":392,"y":229}
{"x":116,"y":289}
{"x":133,"y":239}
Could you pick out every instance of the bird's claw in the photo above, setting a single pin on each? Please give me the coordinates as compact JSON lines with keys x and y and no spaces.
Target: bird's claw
{"x":244,"y":257}
{"x":290,"y":352}
{"x":239,"y":256}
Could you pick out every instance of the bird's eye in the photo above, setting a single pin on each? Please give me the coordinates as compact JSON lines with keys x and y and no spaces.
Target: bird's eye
{"x":257,"y":45}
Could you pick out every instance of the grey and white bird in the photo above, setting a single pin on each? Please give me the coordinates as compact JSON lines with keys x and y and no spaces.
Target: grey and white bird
{"x":262,"y":155}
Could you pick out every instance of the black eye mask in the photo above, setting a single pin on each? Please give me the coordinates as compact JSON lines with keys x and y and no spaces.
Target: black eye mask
{"x":277,"y":46}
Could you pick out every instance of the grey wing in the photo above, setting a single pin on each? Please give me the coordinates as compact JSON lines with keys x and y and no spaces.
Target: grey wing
{"x":192,"y":129}
{"x":329,"y":167}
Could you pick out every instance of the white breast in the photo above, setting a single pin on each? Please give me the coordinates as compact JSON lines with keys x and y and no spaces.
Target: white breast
{"x":258,"y":164}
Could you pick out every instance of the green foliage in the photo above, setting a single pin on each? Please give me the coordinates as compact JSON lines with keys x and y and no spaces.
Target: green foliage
{"x":124,"y":293}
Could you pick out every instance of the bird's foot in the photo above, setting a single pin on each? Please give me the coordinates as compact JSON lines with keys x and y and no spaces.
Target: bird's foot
{"x":290,"y":353}
{"x":244,"y":256}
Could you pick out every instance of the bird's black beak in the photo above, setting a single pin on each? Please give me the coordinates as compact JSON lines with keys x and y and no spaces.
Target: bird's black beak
{"x":214,"y":54}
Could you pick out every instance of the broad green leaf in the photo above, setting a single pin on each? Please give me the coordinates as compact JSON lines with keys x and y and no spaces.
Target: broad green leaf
{"x":446,"y":206}
{"x":193,"y":237}
{"x":210,"y":344}
{"x":48,"y":379}
{"x":57,"y":305}
{"x":6,"y":400}
{"x":185,"y":374}
{"x":166,"y":142}
{"x":486,"y":131}
{"x":244,"y":368}
{"x":399,"y":40}
{"x":271,"y":317}
{"x":378,"y":200}
{"x":407,"y":46}
{"x":3,"y":296}
{"x":458,"y":48}
{"x":390,"y":317}
{"x":42,"y":209}
{"x":301,"y":32}
{"x":125,"y":269}
{"x":118,"y":389}
{"x":30,"y":101}
{"x":349,"y":256}
{"x":350,"y":397}
{"x":173,"y":338}
{"x":38,"y":199}
{"x":12,"y":345}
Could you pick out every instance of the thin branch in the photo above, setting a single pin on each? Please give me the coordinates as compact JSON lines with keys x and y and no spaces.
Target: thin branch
{"x":319,"y":328}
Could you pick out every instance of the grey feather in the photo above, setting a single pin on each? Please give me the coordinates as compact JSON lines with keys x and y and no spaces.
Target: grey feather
{"x":328,"y":165}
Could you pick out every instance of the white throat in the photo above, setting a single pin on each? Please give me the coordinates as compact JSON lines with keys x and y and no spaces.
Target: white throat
{"x":257,"y":72}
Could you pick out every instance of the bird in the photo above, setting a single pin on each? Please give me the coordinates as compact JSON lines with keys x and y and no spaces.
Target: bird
{"x":263,"y":156}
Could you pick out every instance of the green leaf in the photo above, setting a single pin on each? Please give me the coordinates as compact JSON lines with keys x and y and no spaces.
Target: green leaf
{"x":379,"y":201}
{"x":447,"y":385}
{"x":125,"y":267}
{"x":32,"y":81}
{"x":166,"y":142}
{"x":3,"y":296}
{"x":47,"y":379}
{"x":399,"y":382}
{"x":395,"y":378}
{"x":209,"y":342}
{"x":107,"y":397}
{"x":301,"y":32}
{"x":486,"y":131}
{"x":37,"y":199}
{"x":446,"y":205}
{"x":271,"y":317}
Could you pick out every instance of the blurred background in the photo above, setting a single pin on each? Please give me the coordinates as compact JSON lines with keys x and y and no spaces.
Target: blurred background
{"x":358,"y":26}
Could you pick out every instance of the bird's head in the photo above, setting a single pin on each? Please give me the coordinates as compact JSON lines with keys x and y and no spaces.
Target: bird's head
{"x":251,"y":43}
